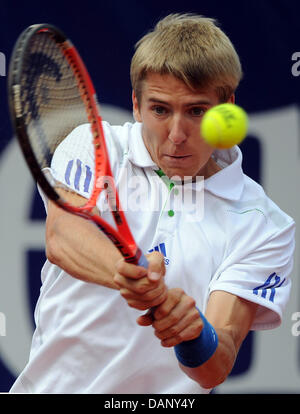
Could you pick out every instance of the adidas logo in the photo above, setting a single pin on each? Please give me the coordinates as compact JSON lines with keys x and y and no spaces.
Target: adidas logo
{"x":268,"y":289}
{"x":162,"y":249}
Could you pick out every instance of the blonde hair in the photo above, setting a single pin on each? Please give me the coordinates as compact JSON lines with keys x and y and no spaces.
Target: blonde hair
{"x":193,"y":49}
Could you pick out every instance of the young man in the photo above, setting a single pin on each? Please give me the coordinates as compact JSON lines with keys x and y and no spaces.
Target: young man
{"x":217,"y":267}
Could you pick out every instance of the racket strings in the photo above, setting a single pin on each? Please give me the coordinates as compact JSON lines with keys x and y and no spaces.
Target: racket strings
{"x":82,"y":88}
{"x":52,"y":102}
{"x":100,"y":159}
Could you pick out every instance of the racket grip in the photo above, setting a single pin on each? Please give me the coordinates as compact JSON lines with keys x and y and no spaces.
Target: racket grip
{"x":143,"y":261}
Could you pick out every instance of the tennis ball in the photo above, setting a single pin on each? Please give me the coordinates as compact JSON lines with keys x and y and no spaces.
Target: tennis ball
{"x":224,"y":125}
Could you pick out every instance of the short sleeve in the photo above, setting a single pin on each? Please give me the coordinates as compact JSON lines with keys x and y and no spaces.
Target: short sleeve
{"x":73,"y":160}
{"x":261,"y":274}
{"x":72,"y":164}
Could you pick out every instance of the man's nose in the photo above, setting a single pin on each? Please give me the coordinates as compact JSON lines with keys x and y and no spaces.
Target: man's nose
{"x":177,"y":130}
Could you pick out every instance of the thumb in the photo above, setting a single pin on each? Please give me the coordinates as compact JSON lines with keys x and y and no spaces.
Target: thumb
{"x":156,"y":268}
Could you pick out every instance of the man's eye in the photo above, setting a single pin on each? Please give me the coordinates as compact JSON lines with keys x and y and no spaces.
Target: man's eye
{"x":196,"y":111}
{"x":159,"y":110}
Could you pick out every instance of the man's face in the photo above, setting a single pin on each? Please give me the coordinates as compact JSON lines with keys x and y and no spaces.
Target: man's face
{"x":171,"y":115}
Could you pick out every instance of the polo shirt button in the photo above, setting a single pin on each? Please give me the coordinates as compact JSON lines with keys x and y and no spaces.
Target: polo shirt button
{"x":171,"y":213}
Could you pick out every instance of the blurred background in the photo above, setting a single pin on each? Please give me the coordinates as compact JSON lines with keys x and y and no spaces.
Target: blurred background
{"x":266,"y":34}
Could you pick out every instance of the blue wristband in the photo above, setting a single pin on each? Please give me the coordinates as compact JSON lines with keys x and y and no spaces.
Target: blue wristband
{"x":197,"y":351}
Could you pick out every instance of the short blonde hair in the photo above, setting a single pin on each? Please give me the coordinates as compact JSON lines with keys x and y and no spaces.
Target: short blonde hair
{"x":193,"y":49}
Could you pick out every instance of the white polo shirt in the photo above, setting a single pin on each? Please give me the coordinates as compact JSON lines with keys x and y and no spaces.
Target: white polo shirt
{"x":226,"y":234}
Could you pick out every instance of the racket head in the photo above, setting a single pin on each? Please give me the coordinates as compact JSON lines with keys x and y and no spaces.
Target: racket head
{"x":48,"y":98}
{"x":17,"y":108}
{"x":50,"y":94}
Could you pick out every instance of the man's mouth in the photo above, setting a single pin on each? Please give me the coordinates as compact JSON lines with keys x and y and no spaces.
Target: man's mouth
{"x":178,"y":155}
{"x":177,"y":160}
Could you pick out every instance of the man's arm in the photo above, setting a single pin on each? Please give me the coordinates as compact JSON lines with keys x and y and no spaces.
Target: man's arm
{"x":176,"y":320}
{"x":232,"y":317}
{"x":78,"y":247}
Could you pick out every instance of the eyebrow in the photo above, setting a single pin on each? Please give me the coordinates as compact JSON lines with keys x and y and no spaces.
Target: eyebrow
{"x":199,"y":102}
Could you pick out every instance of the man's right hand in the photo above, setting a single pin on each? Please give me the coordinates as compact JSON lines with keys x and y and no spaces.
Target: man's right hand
{"x":142,"y":288}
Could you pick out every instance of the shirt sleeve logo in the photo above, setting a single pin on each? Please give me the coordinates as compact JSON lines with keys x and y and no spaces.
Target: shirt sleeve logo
{"x":162,"y":249}
{"x":267,"y":290}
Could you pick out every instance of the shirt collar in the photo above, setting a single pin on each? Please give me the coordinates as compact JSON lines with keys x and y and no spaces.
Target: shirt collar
{"x":137,"y":152}
{"x":227,"y":183}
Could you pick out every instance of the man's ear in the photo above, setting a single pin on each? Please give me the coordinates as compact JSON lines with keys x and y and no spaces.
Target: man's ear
{"x":232,"y":99}
{"x":136,"y":110}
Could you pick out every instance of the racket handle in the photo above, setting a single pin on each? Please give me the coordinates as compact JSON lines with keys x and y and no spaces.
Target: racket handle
{"x":143,"y":261}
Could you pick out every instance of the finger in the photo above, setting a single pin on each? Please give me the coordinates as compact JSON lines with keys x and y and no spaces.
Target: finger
{"x":144,"y":293}
{"x":183,"y":310}
{"x":189,"y":333}
{"x":191,"y":318}
{"x":145,"y":320}
{"x":130,"y":270}
{"x":135,"y":301}
{"x":174,"y":297}
{"x":138,"y":286}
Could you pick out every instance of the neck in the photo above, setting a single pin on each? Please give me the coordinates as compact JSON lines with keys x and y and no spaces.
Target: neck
{"x":210,"y":169}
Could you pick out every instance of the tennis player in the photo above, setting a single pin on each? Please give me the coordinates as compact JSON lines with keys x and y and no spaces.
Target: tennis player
{"x":218,"y":267}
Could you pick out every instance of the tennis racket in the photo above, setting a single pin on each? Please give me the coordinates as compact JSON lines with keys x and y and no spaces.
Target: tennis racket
{"x":50,"y":94}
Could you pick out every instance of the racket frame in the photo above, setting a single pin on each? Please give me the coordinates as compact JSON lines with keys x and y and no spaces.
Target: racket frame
{"x":122,"y":238}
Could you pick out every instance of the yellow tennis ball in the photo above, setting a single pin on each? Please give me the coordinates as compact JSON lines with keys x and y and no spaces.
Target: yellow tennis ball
{"x":224,"y":125}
